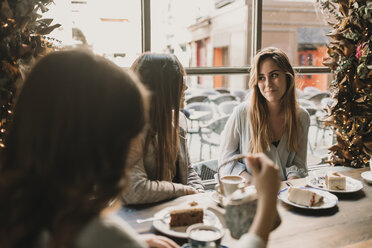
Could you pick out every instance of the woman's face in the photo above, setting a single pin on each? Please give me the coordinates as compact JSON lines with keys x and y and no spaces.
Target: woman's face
{"x":182,"y":103}
{"x":271,"y":81}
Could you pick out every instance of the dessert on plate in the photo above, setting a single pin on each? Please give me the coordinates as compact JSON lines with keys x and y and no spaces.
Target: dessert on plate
{"x":303,"y":197}
{"x":186,"y":217}
{"x":335,"y":181}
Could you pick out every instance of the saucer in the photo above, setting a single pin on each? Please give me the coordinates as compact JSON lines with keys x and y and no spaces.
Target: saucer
{"x":367,"y":175}
{"x":187,"y":245}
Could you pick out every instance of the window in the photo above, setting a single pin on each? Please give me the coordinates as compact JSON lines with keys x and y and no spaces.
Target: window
{"x":111,"y":28}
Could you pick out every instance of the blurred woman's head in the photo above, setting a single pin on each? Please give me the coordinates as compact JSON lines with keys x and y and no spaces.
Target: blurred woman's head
{"x":272,"y":80}
{"x":163,"y":75}
{"x":65,"y":154}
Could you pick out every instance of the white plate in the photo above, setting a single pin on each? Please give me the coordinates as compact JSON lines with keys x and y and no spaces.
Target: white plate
{"x":367,"y":175}
{"x":180,"y":232}
{"x":329,"y":200}
{"x":217,"y":198}
{"x":352,"y":185}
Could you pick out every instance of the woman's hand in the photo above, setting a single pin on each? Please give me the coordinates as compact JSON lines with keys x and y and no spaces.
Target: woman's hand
{"x":190,"y":190}
{"x":156,"y":241}
{"x":248,"y":178}
{"x":266,"y":179}
{"x":265,"y":174}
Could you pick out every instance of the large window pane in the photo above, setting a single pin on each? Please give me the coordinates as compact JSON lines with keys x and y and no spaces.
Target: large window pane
{"x":201,"y":33}
{"x":111,"y":28}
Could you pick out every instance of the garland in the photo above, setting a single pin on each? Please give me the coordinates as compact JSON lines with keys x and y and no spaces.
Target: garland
{"x":350,"y":59}
{"x":22,"y":38}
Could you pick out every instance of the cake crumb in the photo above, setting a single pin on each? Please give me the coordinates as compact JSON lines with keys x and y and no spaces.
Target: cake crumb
{"x":193,"y":204}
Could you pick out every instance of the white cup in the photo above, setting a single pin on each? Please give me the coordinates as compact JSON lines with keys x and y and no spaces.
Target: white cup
{"x":230,"y":184}
{"x":204,"y":236}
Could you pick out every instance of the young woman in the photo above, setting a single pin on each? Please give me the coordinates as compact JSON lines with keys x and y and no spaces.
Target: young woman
{"x":65,"y":155}
{"x":160,"y":160}
{"x":271,"y":122}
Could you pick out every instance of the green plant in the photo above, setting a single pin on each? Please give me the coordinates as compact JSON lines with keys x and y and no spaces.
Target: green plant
{"x":350,"y":58}
{"x":22,"y":38}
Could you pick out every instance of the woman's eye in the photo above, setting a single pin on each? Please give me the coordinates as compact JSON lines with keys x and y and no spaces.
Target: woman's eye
{"x":274,"y":75}
{"x":261,"y":78}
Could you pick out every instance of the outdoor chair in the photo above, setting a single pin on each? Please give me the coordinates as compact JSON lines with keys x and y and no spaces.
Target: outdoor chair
{"x":226,"y":108}
{"x":206,"y":169}
{"x":312,"y":110}
{"x":223,"y":90}
{"x":201,"y":107}
{"x":210,"y":92}
{"x":317,"y":98}
{"x":310,"y":90}
{"x":196,"y":98}
{"x":222,"y":98}
{"x":240,"y":94}
{"x":210,"y":133}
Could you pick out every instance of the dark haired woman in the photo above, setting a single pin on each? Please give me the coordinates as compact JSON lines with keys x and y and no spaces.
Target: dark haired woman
{"x":65,"y":154}
{"x":162,"y":168}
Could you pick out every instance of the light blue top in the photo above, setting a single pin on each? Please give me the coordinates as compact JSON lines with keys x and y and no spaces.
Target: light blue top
{"x":235,"y":140}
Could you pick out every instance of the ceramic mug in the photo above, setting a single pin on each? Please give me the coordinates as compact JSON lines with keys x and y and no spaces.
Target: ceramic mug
{"x":230,"y":184}
{"x":204,"y":236}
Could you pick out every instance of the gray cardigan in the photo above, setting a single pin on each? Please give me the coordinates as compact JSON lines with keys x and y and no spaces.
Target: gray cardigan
{"x":235,"y":137}
{"x":145,"y":187}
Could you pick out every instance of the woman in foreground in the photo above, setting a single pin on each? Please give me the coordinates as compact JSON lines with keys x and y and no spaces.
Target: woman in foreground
{"x":64,"y":160}
{"x":271,"y":122}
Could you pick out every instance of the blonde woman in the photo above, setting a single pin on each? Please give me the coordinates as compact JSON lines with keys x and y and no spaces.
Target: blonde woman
{"x":271,"y":121}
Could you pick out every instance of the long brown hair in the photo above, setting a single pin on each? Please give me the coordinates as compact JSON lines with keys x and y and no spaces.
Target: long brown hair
{"x":65,"y":154}
{"x":163,"y":75}
{"x":261,"y":131}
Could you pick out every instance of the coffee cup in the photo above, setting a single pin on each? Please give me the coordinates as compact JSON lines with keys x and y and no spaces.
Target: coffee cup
{"x":204,"y":236}
{"x":230,"y":184}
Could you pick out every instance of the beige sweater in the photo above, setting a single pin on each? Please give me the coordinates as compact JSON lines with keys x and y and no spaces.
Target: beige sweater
{"x":145,"y":187}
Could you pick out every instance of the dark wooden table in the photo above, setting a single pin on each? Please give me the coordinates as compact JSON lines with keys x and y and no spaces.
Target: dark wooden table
{"x":349,"y":224}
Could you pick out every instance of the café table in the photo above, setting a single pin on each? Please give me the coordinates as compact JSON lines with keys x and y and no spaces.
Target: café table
{"x":349,"y":224}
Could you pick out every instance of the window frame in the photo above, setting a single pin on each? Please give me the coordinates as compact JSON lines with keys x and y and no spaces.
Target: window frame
{"x":256,"y":45}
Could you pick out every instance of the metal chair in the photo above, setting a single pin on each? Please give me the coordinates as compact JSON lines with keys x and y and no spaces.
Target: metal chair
{"x":198,"y":106}
{"x":240,"y":94}
{"x":317,"y":98}
{"x":222,"y":98}
{"x":210,"y":92}
{"x":223,"y":90}
{"x":312,"y":110}
{"x":196,"y":98}
{"x":210,"y":133}
{"x":206,"y":170}
{"x":310,"y":90}
{"x":226,"y":108}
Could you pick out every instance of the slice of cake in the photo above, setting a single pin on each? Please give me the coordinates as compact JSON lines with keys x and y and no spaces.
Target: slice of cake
{"x":186,"y":217}
{"x":303,"y":197}
{"x":335,"y":181}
